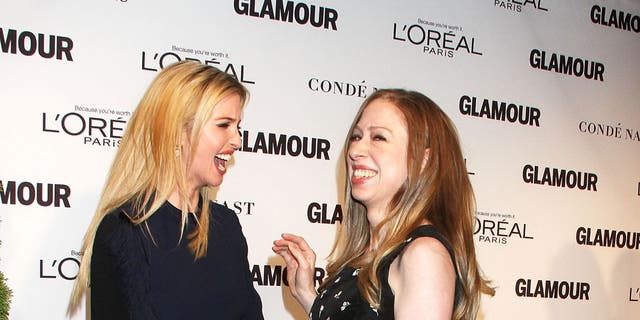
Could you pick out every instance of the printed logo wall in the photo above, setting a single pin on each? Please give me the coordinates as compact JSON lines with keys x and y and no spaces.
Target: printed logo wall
{"x":550,"y":125}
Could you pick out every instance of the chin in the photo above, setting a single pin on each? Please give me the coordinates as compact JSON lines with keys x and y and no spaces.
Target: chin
{"x":214,"y":184}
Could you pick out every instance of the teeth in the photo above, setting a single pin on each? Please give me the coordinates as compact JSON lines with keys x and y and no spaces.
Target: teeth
{"x":224,"y":157}
{"x":360,"y":173}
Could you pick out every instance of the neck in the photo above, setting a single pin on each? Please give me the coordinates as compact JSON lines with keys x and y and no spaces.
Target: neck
{"x":176,"y":200}
{"x":375,"y":214}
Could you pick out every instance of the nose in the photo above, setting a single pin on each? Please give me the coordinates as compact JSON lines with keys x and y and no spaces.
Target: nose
{"x":236,"y":140}
{"x":357,"y":149}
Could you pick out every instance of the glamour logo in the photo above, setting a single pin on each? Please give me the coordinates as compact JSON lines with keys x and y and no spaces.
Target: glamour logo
{"x":28,"y":193}
{"x":239,"y":207}
{"x":360,"y":90}
{"x":320,"y":213}
{"x":494,"y":228}
{"x":291,"y":12}
{"x":471,"y":173}
{"x":607,"y":130}
{"x":516,"y":6}
{"x":559,"y":177}
{"x":608,"y":238}
{"x":552,"y":289}
{"x":158,"y":61}
{"x":634,"y":294}
{"x":95,"y":130}
{"x":271,"y":276}
{"x":66,"y":268}
{"x":27,"y":44}
{"x":501,"y":111}
{"x":281,"y":144}
{"x":444,"y":42}
{"x":568,"y":65}
{"x":615,"y":19}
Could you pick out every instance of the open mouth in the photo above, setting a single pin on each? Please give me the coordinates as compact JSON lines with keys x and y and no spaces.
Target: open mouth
{"x":359,"y":176}
{"x":363,"y":173}
{"x":220,"y":161}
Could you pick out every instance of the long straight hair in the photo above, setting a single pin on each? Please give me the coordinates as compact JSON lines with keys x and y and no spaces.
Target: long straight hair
{"x":148,"y":165}
{"x":440,"y":192}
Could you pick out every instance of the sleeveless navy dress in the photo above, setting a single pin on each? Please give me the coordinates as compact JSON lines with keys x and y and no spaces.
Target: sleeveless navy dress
{"x":341,"y":299}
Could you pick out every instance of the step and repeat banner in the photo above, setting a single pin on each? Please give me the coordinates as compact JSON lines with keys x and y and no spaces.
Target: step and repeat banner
{"x":545,"y":95}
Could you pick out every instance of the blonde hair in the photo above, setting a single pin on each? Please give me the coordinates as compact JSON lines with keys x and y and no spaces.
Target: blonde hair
{"x":440,"y":192}
{"x":148,"y":167}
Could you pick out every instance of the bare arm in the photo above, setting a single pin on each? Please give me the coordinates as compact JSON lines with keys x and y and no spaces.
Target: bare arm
{"x":423,"y":281}
{"x":301,"y":261}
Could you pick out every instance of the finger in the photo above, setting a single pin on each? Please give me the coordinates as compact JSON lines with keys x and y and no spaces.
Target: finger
{"x":278,"y":249}
{"x":301,"y":245}
{"x":300,"y":241}
{"x":281,"y":242}
{"x":300,"y":257}
{"x":289,"y":259}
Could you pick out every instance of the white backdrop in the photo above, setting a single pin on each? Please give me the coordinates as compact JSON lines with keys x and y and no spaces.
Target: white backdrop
{"x":72,"y":71}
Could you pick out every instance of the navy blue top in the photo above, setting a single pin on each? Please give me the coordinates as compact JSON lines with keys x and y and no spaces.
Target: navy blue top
{"x":341,"y":299}
{"x":134,"y":278}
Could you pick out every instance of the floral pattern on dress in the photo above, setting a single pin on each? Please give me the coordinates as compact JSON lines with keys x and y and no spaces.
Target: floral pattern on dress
{"x":341,"y":300}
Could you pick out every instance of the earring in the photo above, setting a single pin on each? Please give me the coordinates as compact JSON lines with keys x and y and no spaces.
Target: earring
{"x":177,"y":151}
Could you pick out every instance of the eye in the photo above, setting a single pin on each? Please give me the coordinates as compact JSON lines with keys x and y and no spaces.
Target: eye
{"x":379,"y":137}
{"x":223,"y":125}
{"x":355,"y":137}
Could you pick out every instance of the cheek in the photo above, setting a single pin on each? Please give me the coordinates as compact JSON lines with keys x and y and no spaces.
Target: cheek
{"x":211,"y":142}
{"x":401,"y":170}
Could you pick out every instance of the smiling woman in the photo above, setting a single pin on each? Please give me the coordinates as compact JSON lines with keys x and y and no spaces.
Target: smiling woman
{"x":405,"y":249}
{"x":157,"y":247}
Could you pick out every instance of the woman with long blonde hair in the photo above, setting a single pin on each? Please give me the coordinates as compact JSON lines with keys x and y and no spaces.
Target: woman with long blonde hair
{"x":157,"y":247}
{"x":405,"y":249}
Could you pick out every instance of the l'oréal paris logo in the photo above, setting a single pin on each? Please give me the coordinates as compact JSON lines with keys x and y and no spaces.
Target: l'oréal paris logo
{"x":436,"y":38}
{"x":95,"y":126}
{"x":156,"y":61}
{"x":499,"y":228}
{"x":520,"y":6}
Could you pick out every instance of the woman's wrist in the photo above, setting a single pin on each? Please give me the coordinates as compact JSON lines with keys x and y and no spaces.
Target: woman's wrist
{"x":307,"y":298}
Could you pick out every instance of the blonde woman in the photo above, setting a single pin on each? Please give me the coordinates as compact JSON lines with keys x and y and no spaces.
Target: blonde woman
{"x":405,"y":249}
{"x":157,"y":247}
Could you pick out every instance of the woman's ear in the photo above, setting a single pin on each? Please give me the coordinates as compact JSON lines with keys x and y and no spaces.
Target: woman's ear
{"x":425,"y":159}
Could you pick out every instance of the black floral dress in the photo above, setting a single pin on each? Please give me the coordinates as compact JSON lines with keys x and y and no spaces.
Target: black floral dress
{"x":341,"y":299}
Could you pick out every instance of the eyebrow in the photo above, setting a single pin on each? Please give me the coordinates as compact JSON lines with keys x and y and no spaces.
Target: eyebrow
{"x":226,"y":118}
{"x":375,"y":128}
{"x":380,"y":127}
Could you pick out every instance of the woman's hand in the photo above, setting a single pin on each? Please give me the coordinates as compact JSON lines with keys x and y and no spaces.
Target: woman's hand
{"x":301,"y":262}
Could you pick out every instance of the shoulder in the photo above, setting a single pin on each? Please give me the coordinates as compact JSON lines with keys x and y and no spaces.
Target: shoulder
{"x":424,"y":254}
{"x":223,"y":215}
{"x":220,"y":209}
{"x":425,"y":251}
{"x":114,"y":222}
{"x":116,"y":233}
{"x":423,"y":279}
